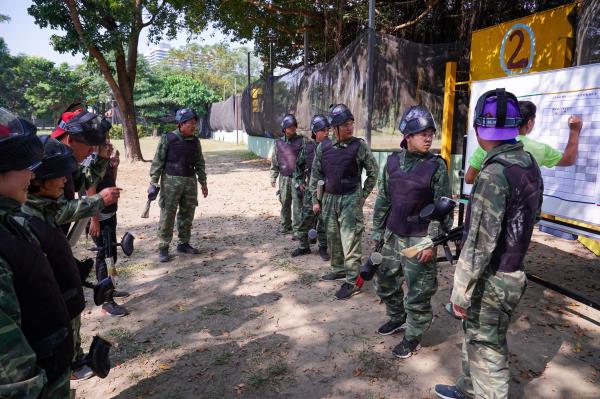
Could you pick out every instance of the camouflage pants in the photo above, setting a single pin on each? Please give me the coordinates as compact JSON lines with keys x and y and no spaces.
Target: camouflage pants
{"x":485,"y":351}
{"x":421,"y":281}
{"x":76,"y":326}
{"x":291,"y":205}
{"x":59,"y":389}
{"x":176,"y":192}
{"x":344,"y":226}
{"x":308,"y":222}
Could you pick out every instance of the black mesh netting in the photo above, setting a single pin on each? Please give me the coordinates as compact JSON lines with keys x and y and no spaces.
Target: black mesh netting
{"x":406,"y":73}
{"x":226,"y":115}
{"x":588,"y":33}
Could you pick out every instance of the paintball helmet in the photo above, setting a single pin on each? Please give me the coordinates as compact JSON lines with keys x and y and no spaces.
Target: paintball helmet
{"x":287,"y":121}
{"x":20,"y":148}
{"x":318,"y":122}
{"x":83,"y":126}
{"x":414,"y":120}
{"x":58,"y":160}
{"x":185,"y":114}
{"x":339,"y":114}
{"x":497,"y":115}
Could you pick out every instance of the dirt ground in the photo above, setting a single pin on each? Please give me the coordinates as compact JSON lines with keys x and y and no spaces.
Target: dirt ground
{"x":244,"y":320}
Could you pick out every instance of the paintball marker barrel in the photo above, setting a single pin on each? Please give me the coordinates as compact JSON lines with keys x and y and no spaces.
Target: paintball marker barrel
{"x":146,"y":212}
{"x":320,"y":188}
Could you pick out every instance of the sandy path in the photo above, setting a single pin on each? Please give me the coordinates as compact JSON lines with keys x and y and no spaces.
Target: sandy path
{"x":245,"y":320}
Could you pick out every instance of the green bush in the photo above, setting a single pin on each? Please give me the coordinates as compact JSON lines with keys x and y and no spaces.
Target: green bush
{"x":116,"y":133}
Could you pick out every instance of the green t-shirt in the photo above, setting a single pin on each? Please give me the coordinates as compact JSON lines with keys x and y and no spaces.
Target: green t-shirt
{"x":544,"y":154}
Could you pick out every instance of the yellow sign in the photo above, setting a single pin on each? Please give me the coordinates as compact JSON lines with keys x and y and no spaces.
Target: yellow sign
{"x":535,"y":43}
{"x":255,"y":95}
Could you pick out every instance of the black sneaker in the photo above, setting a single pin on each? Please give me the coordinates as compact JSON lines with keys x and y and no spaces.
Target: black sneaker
{"x":163,"y":255}
{"x":406,"y":348}
{"x":300,"y":252}
{"x":323,"y":254}
{"x":347,"y":291}
{"x":295,"y":237}
{"x":391,"y":327}
{"x":113,"y":309}
{"x":120,"y":294}
{"x":450,"y":392}
{"x":334,"y":276}
{"x":187,"y":249}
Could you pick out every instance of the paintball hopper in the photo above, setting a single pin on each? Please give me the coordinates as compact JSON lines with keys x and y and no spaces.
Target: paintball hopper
{"x":368,"y":269}
{"x":126,"y":244}
{"x":103,"y":291}
{"x":438,"y":210}
{"x":98,"y":358}
{"x":312,"y":236}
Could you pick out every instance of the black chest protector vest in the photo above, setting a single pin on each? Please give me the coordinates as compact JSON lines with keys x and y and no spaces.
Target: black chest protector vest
{"x":339,"y":167}
{"x":181,"y":155}
{"x":107,"y":181}
{"x":59,"y":254}
{"x":526,"y":190}
{"x":410,"y":192}
{"x":309,"y":156}
{"x":287,"y":154}
{"x":45,"y":321}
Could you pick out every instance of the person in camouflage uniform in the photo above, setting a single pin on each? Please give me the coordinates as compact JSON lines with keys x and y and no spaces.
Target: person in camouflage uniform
{"x":412,"y":179}
{"x":489,"y":279}
{"x":283,"y":165}
{"x":83,"y":132}
{"x":319,"y":127}
{"x":339,"y":162}
{"x":32,"y":310}
{"x":178,"y":158}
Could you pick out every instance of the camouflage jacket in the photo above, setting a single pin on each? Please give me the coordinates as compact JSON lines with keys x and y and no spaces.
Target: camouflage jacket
{"x":440,"y":184}
{"x":274,"y":162}
{"x":364,"y":160}
{"x":300,"y":176}
{"x":160,"y":158}
{"x":43,"y":208}
{"x":85,"y":177}
{"x":489,"y":196}
{"x":19,"y":375}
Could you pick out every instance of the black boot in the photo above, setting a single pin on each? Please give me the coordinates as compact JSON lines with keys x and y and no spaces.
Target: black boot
{"x":163,"y":255}
{"x":323,"y":254}
{"x":300,"y":252}
{"x":187,"y":249}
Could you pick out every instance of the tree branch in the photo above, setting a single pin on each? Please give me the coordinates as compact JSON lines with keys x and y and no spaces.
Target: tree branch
{"x":93,"y":50}
{"x":151,"y":20}
{"x":417,"y":19}
{"x":285,"y":11}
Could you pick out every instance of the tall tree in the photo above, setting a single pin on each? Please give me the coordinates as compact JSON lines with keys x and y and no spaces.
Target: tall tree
{"x":102,"y":28}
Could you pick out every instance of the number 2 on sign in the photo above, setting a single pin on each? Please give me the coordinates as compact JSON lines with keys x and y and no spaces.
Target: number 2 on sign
{"x":522,"y":63}
{"x":517,"y":32}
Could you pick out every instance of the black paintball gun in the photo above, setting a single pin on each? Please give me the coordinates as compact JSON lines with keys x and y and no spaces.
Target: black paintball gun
{"x":152,"y":194}
{"x":438,"y":212}
{"x":368,"y":269}
{"x":104,"y":288}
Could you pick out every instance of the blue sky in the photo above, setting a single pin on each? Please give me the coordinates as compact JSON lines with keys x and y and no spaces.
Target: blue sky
{"x":23,"y":36}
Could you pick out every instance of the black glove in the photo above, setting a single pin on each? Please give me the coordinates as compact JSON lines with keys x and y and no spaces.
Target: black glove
{"x":153,"y":192}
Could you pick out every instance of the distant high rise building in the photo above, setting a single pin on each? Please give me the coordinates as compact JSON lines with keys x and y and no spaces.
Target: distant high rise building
{"x":160,"y":55}
{"x":157,"y":54}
